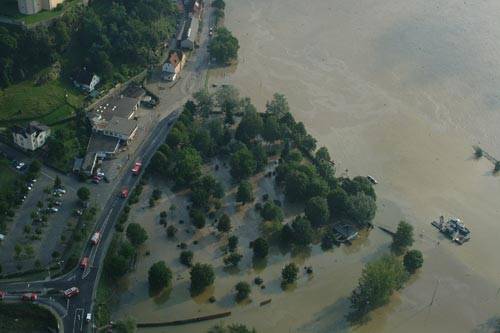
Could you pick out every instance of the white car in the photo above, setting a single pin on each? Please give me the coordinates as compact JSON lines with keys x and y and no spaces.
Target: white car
{"x":60,"y":190}
{"x":89,"y":317}
{"x":20,"y":165}
{"x":54,"y":209}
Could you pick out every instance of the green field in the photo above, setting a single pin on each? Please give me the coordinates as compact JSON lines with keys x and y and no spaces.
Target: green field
{"x":7,"y":175}
{"x":26,"y":318}
{"x":48,"y":102}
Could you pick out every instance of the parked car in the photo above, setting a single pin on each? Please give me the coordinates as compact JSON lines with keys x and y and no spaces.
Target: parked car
{"x":89,"y":317}
{"x":95,"y":238}
{"x":137,"y":168}
{"x":73,"y":291}
{"x":53,"y":210}
{"x":20,"y":165}
{"x":29,"y":297}
{"x":60,"y":190}
{"x":2,"y":295}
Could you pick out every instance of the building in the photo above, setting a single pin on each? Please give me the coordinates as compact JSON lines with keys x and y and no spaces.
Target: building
{"x":32,"y":136}
{"x":30,"y":7}
{"x":189,"y":34}
{"x":114,"y":116}
{"x":174,"y":65}
{"x":86,"y":80}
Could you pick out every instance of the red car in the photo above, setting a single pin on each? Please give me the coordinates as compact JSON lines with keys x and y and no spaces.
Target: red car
{"x":2,"y":295}
{"x":73,"y":291}
{"x":29,"y":297}
{"x":124,"y":193}
{"x":137,"y":168}
{"x":84,"y":263}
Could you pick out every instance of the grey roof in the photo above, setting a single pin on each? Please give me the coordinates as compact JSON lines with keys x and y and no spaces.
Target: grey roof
{"x":32,"y":127}
{"x":191,"y":29}
{"x":120,"y":106}
{"x":121,"y":125}
{"x":84,"y":76}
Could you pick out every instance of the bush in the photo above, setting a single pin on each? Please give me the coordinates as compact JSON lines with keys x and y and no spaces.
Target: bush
{"x":83,"y":193}
{"x":289,"y":273}
{"x":260,"y":248}
{"x":413,"y":260}
{"x":224,"y":224}
{"x":232,"y":243}
{"x":136,"y":234}
{"x":197,"y":218}
{"x":202,"y":276}
{"x":159,"y":276}
{"x":233,"y":259}
{"x":171,"y":231}
{"x":186,"y":258}
{"x":242,"y":291}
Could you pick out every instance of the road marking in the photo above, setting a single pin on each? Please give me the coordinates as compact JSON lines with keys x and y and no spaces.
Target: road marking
{"x":79,"y":316}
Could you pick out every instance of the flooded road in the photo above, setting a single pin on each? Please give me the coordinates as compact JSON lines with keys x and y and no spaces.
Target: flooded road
{"x":400,"y":91}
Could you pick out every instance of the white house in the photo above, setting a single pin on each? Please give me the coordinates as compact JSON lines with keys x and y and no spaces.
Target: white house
{"x":174,"y":65}
{"x":32,"y":136}
{"x":86,"y":80}
{"x":30,"y":7}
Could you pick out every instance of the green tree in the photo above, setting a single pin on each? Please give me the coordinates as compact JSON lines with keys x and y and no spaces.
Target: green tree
{"x":187,"y":166}
{"x":278,"y":106}
{"x":136,"y":234}
{"x":378,"y":281}
{"x":289,"y":273}
{"x":223,"y":47}
{"x":205,"y":101}
{"x":243,"y":164}
{"x":228,"y":98}
{"x":302,"y":231}
{"x":186,"y":258}
{"x":322,"y":154}
{"x":338,"y":203}
{"x":34,"y":168}
{"x":224,"y":224}
{"x":250,"y":125}
{"x":235,"y":328}
{"x":57,"y":182}
{"x":403,"y":238}
{"x":233,"y":259}
{"x":242,"y":291}
{"x":478,"y":152}
{"x":159,"y":276}
{"x":271,"y":129}
{"x":272,"y":212}
{"x":413,"y":260}
{"x":317,"y":211}
{"x":171,"y":231}
{"x":245,"y":192}
{"x":83,"y":193}
{"x":260,"y":248}
{"x":202,"y":276}
{"x":362,"y":208}
{"x":220,"y":4}
{"x":197,"y":218}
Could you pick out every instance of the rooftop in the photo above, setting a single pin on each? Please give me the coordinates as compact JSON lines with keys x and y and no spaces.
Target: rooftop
{"x":121,"y":125}
{"x":32,"y":127}
{"x":120,"y":106}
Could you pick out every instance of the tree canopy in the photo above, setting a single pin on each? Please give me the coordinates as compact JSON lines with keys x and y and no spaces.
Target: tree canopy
{"x":202,"y":276}
{"x":224,"y":46}
{"x":159,"y":276}
{"x":403,"y":238}
{"x":136,"y":234}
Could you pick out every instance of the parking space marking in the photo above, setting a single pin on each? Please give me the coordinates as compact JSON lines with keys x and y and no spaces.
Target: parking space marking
{"x":79,"y":316}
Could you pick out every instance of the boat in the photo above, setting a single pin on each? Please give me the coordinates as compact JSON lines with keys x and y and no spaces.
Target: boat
{"x":454,"y":229}
{"x":372,"y":180}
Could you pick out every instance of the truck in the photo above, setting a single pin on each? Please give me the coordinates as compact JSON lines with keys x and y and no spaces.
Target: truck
{"x":29,"y":297}
{"x":137,"y":168}
{"x":95,"y":238}
{"x":73,"y":291}
{"x":84,"y":263}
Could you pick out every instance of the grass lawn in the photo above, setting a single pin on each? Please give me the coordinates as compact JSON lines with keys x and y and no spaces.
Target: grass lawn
{"x":9,"y":8}
{"x":7,"y":175}
{"x":26,"y":101}
{"x":26,"y":318}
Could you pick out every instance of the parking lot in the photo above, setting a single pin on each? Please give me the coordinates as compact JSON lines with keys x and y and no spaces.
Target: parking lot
{"x":36,"y":230}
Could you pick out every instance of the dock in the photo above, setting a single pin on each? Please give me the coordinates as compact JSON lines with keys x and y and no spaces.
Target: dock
{"x":454,"y":229}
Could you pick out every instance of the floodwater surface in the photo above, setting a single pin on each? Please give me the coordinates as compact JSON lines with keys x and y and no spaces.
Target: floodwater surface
{"x":398,"y":90}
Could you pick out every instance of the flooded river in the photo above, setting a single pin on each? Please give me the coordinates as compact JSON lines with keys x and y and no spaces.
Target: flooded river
{"x":401,"y":91}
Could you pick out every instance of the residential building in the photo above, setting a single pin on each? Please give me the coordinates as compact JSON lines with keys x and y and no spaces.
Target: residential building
{"x":32,"y":136}
{"x":174,"y":65}
{"x":30,"y":7}
{"x":190,"y":32}
{"x":86,"y":80}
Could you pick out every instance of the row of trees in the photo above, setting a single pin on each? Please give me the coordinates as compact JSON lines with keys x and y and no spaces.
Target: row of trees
{"x":108,"y":38}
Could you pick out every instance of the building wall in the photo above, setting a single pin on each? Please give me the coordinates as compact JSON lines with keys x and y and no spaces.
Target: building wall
{"x":29,"y":7}
{"x":50,"y":4}
{"x":31,"y":142}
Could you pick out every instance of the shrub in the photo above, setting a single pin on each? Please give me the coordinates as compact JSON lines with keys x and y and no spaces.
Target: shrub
{"x":289,"y":273}
{"x":159,"y":276}
{"x":186,"y":258}
{"x":242,"y":291}
{"x":202,"y":276}
{"x":413,"y":260}
{"x":260,"y":248}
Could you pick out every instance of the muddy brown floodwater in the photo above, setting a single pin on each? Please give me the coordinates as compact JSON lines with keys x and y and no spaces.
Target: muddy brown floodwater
{"x":398,"y":90}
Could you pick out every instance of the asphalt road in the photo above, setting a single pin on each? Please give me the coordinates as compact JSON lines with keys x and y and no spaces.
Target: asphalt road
{"x":73,"y":311}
